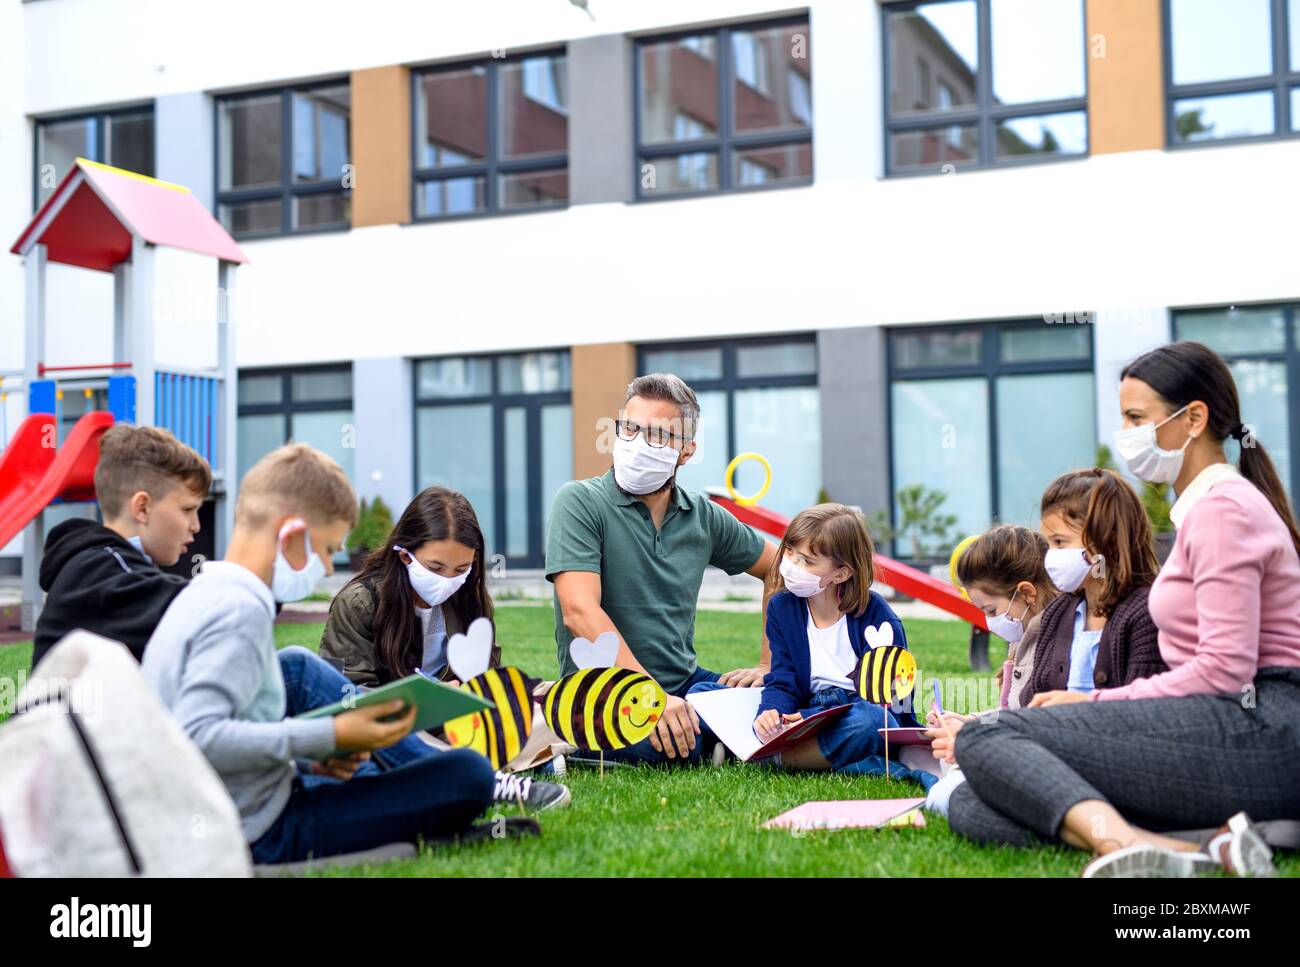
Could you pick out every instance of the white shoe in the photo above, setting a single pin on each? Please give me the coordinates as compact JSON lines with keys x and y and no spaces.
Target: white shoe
{"x":1241,"y":850}
{"x":1142,"y":860}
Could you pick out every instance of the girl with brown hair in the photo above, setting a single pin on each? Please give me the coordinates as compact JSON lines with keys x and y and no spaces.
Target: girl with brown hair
{"x":1098,"y":632}
{"x":1005,"y":577}
{"x":821,"y":619}
{"x":427,"y":582}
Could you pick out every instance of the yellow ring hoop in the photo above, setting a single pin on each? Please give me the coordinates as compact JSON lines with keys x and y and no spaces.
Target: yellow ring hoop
{"x":957,"y":552}
{"x":740,"y":500}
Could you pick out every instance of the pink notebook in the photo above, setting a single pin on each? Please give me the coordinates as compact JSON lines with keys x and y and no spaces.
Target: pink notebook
{"x":851,"y":814}
{"x":906,"y":736}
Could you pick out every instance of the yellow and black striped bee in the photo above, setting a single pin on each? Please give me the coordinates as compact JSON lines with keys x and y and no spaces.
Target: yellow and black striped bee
{"x":498,"y":733}
{"x":600,"y":707}
{"x":885,"y":675}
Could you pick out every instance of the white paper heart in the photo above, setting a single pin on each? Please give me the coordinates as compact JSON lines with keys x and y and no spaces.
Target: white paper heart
{"x":595,"y":654}
{"x":879,"y":637}
{"x":470,"y":654}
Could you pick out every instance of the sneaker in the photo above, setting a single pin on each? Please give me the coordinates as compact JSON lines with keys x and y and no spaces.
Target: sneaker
{"x":1142,"y":860}
{"x":535,"y":794}
{"x":1241,"y":850}
{"x":719,"y":754}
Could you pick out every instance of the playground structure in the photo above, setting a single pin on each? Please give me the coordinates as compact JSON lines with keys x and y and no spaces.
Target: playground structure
{"x":901,"y":577}
{"x":110,"y":220}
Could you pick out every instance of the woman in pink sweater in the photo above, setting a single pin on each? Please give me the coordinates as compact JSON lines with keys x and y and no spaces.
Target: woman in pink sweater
{"x":1217,"y":734}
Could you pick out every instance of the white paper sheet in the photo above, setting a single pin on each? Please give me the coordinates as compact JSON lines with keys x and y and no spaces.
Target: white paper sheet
{"x":730,"y":713}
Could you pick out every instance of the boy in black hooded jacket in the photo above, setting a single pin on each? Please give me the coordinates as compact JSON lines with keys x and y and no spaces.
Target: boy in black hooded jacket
{"x":105,"y":577}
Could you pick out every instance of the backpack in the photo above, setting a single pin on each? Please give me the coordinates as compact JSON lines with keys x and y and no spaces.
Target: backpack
{"x":100,"y":780}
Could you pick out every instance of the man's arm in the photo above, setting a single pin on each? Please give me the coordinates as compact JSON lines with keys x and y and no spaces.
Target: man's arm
{"x":579,"y":596}
{"x":753,"y":677}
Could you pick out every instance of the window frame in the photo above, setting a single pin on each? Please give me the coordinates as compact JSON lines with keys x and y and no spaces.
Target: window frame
{"x":101,"y":137}
{"x":287,"y":406}
{"x":288,"y":189}
{"x":725,"y":143}
{"x":492,"y":166}
{"x":729,"y":382}
{"x":985,"y":113}
{"x":989,"y":368}
{"x":1289,"y":356}
{"x":499,"y":401}
{"x":1281,"y":79}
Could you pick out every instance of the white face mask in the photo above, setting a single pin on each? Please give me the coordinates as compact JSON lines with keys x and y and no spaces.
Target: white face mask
{"x":640,"y":468}
{"x":433,"y":588}
{"x":801,"y":583}
{"x":1067,"y":567}
{"x":1137,"y":445}
{"x":288,"y":584}
{"x":1006,"y":627}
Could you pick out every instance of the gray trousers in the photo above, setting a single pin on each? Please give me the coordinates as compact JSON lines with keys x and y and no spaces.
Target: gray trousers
{"x":1163,"y":763}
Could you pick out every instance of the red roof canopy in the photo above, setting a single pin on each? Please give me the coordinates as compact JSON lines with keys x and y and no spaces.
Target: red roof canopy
{"x":95,"y":211}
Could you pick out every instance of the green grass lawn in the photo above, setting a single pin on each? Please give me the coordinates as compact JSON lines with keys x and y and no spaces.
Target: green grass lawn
{"x":705,"y":821}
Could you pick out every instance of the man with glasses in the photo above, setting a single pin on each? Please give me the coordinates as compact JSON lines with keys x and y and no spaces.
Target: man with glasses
{"x":627,"y":552}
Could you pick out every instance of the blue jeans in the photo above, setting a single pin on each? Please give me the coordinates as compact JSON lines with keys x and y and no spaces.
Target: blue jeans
{"x":643,"y":753}
{"x":851,"y":743}
{"x":406,"y":791}
{"x":437,"y":796}
{"x":310,"y":682}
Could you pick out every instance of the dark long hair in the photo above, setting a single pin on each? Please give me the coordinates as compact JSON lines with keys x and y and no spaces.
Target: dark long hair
{"x":1184,"y":372}
{"x":1115,"y":528}
{"x":435,"y":514}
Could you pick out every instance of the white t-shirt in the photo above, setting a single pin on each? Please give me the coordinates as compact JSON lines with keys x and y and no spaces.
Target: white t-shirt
{"x":831,"y":656}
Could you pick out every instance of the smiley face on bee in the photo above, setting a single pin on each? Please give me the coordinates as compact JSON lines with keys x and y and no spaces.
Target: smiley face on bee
{"x":642,"y":702}
{"x":602,"y":706}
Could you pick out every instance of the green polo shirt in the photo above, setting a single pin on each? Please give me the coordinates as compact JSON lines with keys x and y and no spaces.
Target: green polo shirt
{"x":649,"y":579}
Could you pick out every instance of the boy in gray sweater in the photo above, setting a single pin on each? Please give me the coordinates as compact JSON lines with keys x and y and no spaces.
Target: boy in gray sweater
{"x":213,"y":661}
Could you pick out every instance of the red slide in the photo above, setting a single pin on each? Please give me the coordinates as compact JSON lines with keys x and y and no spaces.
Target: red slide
{"x":900,"y":577}
{"x":33,"y":473}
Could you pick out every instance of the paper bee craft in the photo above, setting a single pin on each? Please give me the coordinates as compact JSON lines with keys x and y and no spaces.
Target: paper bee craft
{"x":601,"y":707}
{"x":497,"y":733}
{"x":886,"y":672}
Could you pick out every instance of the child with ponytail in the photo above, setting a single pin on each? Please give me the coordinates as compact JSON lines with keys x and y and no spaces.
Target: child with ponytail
{"x":1098,"y":632}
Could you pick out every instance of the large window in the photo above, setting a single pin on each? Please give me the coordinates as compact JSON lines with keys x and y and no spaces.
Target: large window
{"x":491,"y":136}
{"x":724,"y":109}
{"x":985,"y":415}
{"x":499,"y":429}
{"x":1262,"y":347}
{"x":983,"y":82}
{"x":306,"y":405}
{"x":756,"y":395}
{"x":1232,"y":69}
{"x":122,"y":138}
{"x":284,"y":160}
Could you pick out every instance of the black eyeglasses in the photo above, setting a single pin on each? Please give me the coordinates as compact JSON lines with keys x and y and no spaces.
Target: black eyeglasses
{"x":657,"y":437}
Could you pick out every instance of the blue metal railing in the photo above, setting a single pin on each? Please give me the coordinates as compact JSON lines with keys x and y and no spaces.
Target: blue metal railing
{"x":187,"y":405}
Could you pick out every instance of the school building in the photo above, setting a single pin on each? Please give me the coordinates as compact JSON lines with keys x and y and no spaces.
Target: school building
{"x":890,"y":245}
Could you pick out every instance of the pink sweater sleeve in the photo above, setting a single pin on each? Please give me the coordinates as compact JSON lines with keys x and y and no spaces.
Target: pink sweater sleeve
{"x":1226,"y":576}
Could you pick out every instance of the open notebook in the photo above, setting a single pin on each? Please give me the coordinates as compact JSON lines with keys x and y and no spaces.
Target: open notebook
{"x":730,"y":713}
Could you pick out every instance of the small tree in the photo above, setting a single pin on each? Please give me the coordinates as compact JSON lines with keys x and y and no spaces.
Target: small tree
{"x":374,"y":524}
{"x":930,"y":531}
{"x":1154,"y":496}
